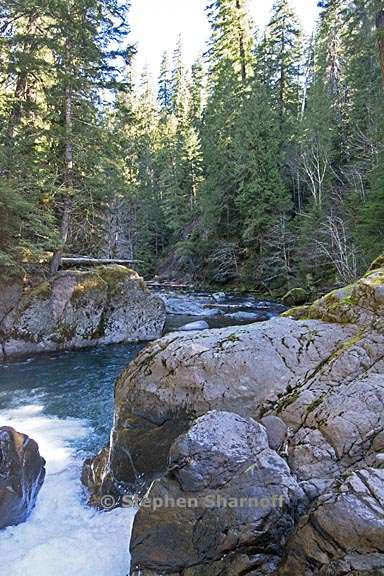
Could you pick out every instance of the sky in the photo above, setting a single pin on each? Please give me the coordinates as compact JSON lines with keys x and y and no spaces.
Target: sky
{"x":156,"y":24}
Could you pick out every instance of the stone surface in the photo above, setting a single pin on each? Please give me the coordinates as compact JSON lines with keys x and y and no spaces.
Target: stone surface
{"x":295,"y":297}
{"x":316,"y":385}
{"x":178,"y":378}
{"x":360,"y":303}
{"x":22,"y":474}
{"x":343,"y":534}
{"x":277,"y":432}
{"x":76,"y":309}
{"x":239,"y":496}
{"x":199,"y":325}
{"x":337,"y":415}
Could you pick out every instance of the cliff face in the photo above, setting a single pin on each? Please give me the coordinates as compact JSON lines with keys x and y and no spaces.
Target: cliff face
{"x":77,"y":309}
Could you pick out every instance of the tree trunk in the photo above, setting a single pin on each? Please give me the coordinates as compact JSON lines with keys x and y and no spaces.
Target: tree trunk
{"x":380,"y":34}
{"x":68,"y":183}
{"x":22,"y":90}
{"x":241,"y":46}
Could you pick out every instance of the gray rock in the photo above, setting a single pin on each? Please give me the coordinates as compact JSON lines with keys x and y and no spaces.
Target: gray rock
{"x":337,"y":414}
{"x":247,"y":316}
{"x":110,"y":304}
{"x":295,"y":297}
{"x":22,"y":473}
{"x":277,"y":432}
{"x":199,"y":325}
{"x":359,"y":303}
{"x":226,"y":494}
{"x":344,"y":531}
{"x":244,"y":369}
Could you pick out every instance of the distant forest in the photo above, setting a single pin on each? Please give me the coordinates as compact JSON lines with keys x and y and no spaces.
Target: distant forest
{"x":260,"y":167}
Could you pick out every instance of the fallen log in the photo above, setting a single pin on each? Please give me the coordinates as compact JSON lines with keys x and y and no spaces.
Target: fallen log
{"x":86,"y":261}
{"x":170,"y":285}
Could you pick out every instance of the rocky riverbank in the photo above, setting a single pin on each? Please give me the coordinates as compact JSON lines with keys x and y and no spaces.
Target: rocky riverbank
{"x":185,"y":424}
{"x":78,"y":309}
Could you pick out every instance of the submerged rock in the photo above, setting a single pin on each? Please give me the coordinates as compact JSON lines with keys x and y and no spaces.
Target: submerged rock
{"x":77,"y":309}
{"x":248,"y":316}
{"x":225,"y":496}
{"x":188,"y":306}
{"x":200,"y":325}
{"x":22,"y":474}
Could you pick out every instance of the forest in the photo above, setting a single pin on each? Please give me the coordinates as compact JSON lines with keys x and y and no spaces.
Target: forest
{"x":261,"y":167}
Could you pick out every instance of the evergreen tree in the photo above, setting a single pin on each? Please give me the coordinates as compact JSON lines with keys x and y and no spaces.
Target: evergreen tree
{"x":165,"y":85}
{"x":279,"y":57}
{"x":230,"y":60}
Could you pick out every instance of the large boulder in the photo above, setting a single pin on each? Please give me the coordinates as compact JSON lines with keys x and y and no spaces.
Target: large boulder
{"x":359,"y":303}
{"x":181,"y":377}
{"x":343,"y":532}
{"x":78,"y":309}
{"x":295,"y":297}
{"x":22,"y":474}
{"x":226,"y":505}
{"x":336,"y":416}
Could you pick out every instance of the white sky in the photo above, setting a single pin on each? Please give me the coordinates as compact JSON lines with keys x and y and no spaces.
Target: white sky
{"x":156,"y":24}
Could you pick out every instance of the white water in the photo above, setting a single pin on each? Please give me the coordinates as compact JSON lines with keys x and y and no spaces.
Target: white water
{"x":63,"y":537}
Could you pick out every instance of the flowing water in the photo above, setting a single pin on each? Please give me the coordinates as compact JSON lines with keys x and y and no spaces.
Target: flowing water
{"x":65,"y":402}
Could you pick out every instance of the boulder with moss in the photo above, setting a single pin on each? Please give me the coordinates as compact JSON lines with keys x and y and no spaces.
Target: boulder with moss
{"x":180,"y":377}
{"x":78,"y":309}
{"x":295,"y":297}
{"x":359,"y":303}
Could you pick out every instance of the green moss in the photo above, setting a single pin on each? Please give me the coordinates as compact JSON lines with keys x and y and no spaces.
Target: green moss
{"x":299,"y":313}
{"x":287,"y":400}
{"x":65,"y":334}
{"x":315,"y":404}
{"x":376,"y":278}
{"x":350,"y":343}
{"x":87,"y":283}
{"x":295,"y":297}
{"x":233,"y":338}
{"x":114,"y":274}
{"x":42,"y":291}
{"x":376,"y":264}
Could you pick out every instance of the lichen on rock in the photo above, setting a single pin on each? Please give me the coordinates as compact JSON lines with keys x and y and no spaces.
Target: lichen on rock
{"x":78,"y":309}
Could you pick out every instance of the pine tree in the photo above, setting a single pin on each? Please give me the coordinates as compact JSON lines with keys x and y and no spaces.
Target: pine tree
{"x":279,"y":60}
{"x":165,"y":85}
{"x":26,"y":224}
{"x":83,"y":65}
{"x":230,"y":60}
{"x":262,"y":197}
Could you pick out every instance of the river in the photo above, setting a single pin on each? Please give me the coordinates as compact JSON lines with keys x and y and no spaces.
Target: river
{"x":65,"y":402}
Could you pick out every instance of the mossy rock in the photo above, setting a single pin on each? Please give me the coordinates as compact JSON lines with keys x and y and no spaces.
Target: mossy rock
{"x":378,"y":263}
{"x":295,"y":297}
{"x":298,"y":313}
{"x":359,"y":303}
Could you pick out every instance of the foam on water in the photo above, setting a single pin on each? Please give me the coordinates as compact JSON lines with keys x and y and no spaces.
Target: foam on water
{"x":63,"y":537}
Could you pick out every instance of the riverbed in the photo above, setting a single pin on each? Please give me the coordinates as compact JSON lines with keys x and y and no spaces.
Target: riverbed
{"x":65,"y":402}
